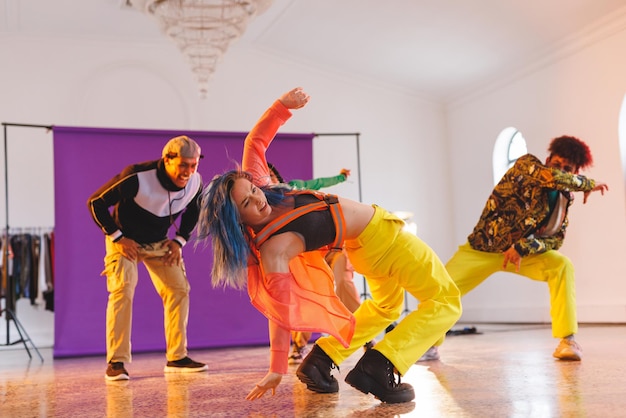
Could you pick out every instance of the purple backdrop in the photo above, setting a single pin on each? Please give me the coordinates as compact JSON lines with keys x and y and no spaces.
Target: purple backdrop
{"x":85,"y":158}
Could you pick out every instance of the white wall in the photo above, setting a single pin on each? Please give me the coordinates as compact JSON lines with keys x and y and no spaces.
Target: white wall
{"x":416,"y":155}
{"x":75,"y":82}
{"x":578,"y":94}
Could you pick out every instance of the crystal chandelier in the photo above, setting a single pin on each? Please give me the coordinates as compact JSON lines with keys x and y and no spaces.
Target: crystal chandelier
{"x":203,"y":29}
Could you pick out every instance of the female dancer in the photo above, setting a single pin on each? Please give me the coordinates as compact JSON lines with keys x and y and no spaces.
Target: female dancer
{"x":254,"y":161}
{"x":262,"y":236}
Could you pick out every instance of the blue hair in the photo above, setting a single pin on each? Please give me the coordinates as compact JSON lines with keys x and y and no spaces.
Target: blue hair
{"x":230,"y":239}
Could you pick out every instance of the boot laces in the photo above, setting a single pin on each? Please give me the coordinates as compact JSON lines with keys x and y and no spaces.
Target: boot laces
{"x":332,"y":366}
{"x":391,"y":375}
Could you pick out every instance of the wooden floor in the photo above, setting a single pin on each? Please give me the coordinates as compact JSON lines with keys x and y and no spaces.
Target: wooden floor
{"x":504,"y":371}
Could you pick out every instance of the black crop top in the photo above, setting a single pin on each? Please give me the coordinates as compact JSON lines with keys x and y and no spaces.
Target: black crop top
{"x":317,"y":227}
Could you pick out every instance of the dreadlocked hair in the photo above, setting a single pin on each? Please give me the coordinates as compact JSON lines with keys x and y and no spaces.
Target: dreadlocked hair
{"x":230,"y":239}
{"x":274,"y":170}
{"x":573,"y":149}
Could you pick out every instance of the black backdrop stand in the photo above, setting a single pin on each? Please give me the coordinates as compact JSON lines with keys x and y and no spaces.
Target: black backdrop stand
{"x":9,"y":308}
{"x":365,"y":294}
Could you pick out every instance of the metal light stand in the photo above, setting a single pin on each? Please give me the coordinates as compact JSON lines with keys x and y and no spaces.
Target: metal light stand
{"x":406,"y":310}
{"x":356,"y":135}
{"x":9,"y":308}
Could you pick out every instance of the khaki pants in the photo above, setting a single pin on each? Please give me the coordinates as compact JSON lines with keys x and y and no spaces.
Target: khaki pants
{"x":170,"y":283}
{"x":392,"y":261}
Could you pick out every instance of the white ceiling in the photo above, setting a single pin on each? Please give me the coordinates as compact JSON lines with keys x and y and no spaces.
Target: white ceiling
{"x":438,"y":49}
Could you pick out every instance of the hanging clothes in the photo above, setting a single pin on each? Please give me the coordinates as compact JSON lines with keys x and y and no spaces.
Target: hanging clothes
{"x":7,"y":257}
{"x":48,"y":294}
{"x":20,"y":267}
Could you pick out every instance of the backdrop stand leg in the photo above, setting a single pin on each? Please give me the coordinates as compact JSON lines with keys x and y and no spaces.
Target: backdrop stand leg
{"x":365,"y":295}
{"x":22,"y":331}
{"x":406,"y":310}
{"x":10,"y":297}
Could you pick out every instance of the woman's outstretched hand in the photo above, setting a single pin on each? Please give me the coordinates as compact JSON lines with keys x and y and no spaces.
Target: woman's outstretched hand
{"x":270,"y":381}
{"x":294,"y":99}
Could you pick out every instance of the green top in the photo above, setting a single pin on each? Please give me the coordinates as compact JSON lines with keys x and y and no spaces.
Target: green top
{"x":319,"y":183}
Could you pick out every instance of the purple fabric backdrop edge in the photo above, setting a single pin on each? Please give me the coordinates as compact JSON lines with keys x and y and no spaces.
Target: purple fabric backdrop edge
{"x":84,"y":158}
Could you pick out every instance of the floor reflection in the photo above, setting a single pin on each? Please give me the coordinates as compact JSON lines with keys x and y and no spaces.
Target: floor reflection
{"x":119,"y":399}
{"x":499,"y":373}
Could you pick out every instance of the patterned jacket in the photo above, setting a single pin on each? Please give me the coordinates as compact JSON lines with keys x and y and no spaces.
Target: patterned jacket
{"x":519,"y":206}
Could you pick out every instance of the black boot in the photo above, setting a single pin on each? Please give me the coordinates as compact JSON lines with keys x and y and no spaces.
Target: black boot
{"x":376,"y":375}
{"x":315,"y":372}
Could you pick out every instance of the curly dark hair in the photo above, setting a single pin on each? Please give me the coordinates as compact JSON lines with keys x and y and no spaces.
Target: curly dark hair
{"x":573,"y":149}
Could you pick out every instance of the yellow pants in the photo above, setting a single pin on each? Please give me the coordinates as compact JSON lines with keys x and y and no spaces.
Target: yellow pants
{"x":468,"y":268}
{"x":392,"y":261}
{"x":170,"y":283}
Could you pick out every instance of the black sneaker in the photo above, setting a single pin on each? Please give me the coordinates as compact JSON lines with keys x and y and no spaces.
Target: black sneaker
{"x":375,"y":374}
{"x":116,"y":371}
{"x":315,"y":372}
{"x":185,"y":365}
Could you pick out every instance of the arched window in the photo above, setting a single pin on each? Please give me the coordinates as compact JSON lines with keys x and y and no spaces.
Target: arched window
{"x":509,"y":146}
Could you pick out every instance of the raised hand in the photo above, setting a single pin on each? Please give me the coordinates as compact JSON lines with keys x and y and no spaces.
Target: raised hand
{"x":601,"y":187}
{"x":294,"y":99}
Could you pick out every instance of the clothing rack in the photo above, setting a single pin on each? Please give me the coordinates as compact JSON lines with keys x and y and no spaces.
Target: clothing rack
{"x":37,"y":230}
{"x":30,"y":262}
{"x":9,"y":308}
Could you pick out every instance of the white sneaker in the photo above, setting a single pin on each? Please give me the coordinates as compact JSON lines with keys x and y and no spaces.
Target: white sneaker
{"x":430,"y":355}
{"x":568,"y":350}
